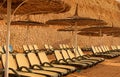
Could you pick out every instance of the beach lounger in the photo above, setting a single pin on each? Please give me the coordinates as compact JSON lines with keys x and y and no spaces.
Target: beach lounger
{"x":60,"y":59}
{"x":89,"y":57}
{"x":25,"y":49}
{"x":43,"y":59}
{"x":118,"y":47}
{"x":103,"y":48}
{"x":22,"y":61}
{"x":80,"y":54}
{"x":76,"y":58}
{"x":45,"y":68}
{"x":48,"y":66}
{"x":67,"y":55}
{"x":30,"y":48}
{"x":97,"y":52}
{"x":48,"y":49}
{"x":113,"y":50}
{"x":15,"y":72}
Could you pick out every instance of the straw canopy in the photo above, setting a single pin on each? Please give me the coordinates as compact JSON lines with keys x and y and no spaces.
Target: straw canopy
{"x":31,"y":23}
{"x":76,"y":20}
{"x":79,"y":21}
{"x":104,"y":29}
{"x":33,"y":6}
{"x":113,"y":33}
{"x":87,"y":33}
{"x":65,"y":30}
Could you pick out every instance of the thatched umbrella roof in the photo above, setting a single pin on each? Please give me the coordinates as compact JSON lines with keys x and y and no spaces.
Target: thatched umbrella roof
{"x":30,"y":23}
{"x":71,"y":21}
{"x":65,"y":30}
{"x":76,"y":20}
{"x":104,"y":29}
{"x":87,"y":33}
{"x":114,"y":33}
{"x":36,"y":6}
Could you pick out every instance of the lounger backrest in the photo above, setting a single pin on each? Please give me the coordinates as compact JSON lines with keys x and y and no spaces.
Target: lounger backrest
{"x":58,"y":55}
{"x":12,"y":61}
{"x":33,"y":59}
{"x":35,"y":47}
{"x":51,"y":48}
{"x":31,"y":48}
{"x":100,"y":50}
{"x":71,"y":55}
{"x":118,"y":47}
{"x":43,"y":57}
{"x":76,"y":53}
{"x":97,"y":50}
{"x":64,"y":46}
{"x":1,"y":50}
{"x":22,"y":60}
{"x":67,"y":46}
{"x":60,"y":45}
{"x":114,"y":47}
{"x":94,"y":50}
{"x":80,"y":51}
{"x":107,"y":48}
{"x":25,"y":48}
{"x":104,"y":48}
{"x":65,"y":54}
{"x":46,"y":46}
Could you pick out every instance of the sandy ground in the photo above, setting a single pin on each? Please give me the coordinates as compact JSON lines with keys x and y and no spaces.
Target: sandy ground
{"x":108,"y":68}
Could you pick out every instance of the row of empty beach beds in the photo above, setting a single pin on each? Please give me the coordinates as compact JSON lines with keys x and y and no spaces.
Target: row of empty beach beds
{"x":34,"y":62}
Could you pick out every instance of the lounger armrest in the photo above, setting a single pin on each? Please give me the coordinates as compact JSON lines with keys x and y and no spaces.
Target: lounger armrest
{"x":23,"y":67}
{"x":46,"y":63}
{"x":74,"y":58}
{"x":33,"y":66}
{"x":68,"y":59}
{"x":79,"y":57}
{"x":14,"y":72}
{"x":85,"y":56}
{"x":62,"y":60}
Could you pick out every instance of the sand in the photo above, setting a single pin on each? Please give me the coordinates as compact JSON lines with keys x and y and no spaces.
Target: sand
{"x":108,"y":68}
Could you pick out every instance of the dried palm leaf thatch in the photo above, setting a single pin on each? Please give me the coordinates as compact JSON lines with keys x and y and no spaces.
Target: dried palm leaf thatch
{"x":114,"y":33}
{"x":76,"y":20}
{"x":28,"y":22}
{"x":37,"y":6}
{"x":104,"y":29}
{"x":87,"y":33}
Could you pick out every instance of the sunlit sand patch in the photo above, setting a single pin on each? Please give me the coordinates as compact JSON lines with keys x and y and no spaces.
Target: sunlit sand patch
{"x":112,"y":64}
{"x":73,"y":75}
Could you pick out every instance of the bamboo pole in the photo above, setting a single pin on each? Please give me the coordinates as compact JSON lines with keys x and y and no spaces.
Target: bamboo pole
{"x":8,"y":37}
